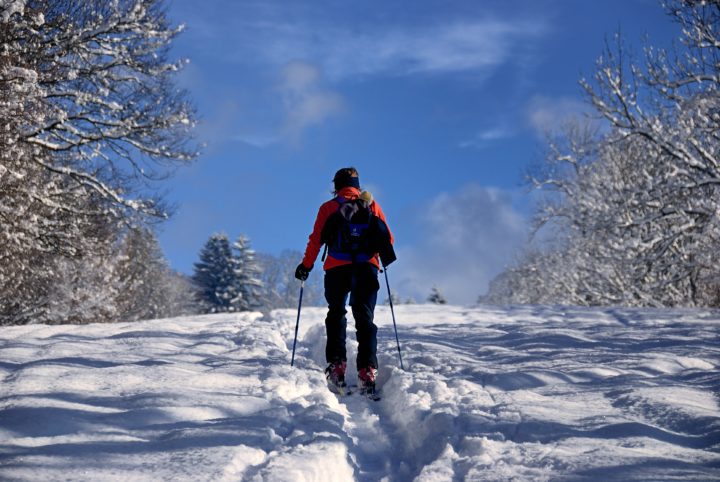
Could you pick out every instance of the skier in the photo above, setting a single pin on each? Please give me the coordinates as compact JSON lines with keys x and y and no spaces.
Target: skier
{"x":353,"y":228}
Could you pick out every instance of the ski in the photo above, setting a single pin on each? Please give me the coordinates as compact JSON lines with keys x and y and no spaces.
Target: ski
{"x":339,"y":390}
{"x":371,"y":394}
{"x":345,"y":390}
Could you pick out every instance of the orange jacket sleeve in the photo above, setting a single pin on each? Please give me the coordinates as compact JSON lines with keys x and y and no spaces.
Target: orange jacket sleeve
{"x":314,"y":240}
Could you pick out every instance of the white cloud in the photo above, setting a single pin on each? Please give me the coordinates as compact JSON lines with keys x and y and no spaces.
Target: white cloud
{"x":345,"y":48}
{"x":306,"y":101}
{"x":464,"y":46}
{"x":256,"y":139}
{"x":547,"y":115}
{"x":466,"y":238}
{"x":483,"y":137}
{"x":299,"y":77}
{"x":318,"y":44}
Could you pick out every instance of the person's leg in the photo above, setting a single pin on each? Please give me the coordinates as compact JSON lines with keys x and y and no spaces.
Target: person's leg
{"x":337,"y":287}
{"x":362,"y":300}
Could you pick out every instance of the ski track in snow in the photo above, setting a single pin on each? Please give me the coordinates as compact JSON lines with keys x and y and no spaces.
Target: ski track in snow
{"x":518,"y":393}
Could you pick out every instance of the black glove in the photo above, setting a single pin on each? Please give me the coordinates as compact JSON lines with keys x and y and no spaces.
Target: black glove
{"x":387,"y":255}
{"x":302,"y":273}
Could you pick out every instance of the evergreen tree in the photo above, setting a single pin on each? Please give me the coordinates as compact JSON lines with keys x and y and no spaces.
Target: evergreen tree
{"x":216,"y":278}
{"x":247,"y":272}
{"x":436,"y":297}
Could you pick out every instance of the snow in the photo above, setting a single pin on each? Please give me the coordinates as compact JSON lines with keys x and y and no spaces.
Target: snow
{"x":518,"y":393}
{"x":10,"y":8}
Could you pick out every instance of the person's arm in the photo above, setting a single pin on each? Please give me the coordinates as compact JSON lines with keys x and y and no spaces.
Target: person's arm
{"x":386,"y":250}
{"x":377,"y":211}
{"x":315,"y":239}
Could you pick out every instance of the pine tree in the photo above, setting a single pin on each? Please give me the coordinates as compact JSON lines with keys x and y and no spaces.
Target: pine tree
{"x":436,"y":297}
{"x":247,"y":272}
{"x":215,"y":277}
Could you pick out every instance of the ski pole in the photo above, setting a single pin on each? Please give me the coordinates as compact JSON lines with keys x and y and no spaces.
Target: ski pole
{"x":392,"y":311}
{"x":297,"y":323}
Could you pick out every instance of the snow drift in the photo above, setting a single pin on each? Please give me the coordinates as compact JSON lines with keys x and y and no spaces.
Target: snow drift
{"x":523,"y":393}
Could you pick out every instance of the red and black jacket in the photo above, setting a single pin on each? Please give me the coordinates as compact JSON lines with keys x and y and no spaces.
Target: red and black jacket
{"x":315,"y":241}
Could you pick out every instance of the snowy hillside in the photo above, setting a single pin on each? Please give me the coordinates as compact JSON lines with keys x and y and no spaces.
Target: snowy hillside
{"x":527,"y":393}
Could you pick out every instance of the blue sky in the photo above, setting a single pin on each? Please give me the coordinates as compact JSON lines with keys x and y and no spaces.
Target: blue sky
{"x":440,"y":105}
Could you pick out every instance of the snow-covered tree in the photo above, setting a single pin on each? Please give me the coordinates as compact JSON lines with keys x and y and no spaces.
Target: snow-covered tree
{"x":248,"y":273}
{"x":147,"y":287}
{"x":140,"y":268}
{"x":39,"y":275}
{"x":83,"y":290}
{"x":669,"y":105}
{"x":395,"y":300}
{"x":90,"y":117}
{"x":216,"y":277}
{"x":634,"y":211}
{"x":436,"y":297}
{"x":99,"y":108}
{"x":180,"y":294}
{"x":281,"y":289}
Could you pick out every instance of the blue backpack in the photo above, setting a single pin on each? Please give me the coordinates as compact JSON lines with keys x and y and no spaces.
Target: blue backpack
{"x":353,"y":233}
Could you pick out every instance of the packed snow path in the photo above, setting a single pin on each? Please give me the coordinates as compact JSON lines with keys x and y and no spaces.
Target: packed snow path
{"x":526,"y":393}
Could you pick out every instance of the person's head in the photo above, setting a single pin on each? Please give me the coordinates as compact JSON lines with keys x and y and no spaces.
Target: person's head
{"x":346,"y":177}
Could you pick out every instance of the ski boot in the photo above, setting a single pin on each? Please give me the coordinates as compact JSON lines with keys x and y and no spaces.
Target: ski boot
{"x":366,"y":381}
{"x":335,"y":376}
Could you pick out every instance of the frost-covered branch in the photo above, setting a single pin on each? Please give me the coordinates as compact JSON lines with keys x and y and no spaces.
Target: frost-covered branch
{"x":90,"y":117}
{"x":636,"y":222}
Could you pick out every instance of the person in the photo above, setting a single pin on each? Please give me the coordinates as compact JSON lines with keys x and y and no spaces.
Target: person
{"x":351,"y":267}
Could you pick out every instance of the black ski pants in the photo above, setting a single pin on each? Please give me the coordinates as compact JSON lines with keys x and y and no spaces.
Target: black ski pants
{"x":360,"y":281}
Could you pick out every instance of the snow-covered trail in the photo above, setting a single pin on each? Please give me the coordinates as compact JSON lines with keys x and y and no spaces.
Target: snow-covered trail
{"x":539,"y":393}
{"x":525,"y":393}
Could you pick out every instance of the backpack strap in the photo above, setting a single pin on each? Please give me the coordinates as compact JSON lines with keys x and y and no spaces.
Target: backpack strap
{"x":324,"y":255}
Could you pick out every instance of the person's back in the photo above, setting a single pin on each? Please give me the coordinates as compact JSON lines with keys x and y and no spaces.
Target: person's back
{"x":354,"y":230}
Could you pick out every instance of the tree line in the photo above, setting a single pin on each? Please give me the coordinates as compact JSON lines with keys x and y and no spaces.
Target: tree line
{"x":630,"y":213}
{"x":91,"y":121}
{"x":233,"y":277}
